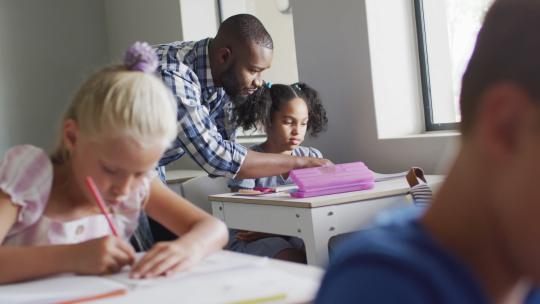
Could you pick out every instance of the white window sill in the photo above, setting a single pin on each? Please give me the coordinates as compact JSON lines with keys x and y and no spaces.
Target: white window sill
{"x":431,"y":134}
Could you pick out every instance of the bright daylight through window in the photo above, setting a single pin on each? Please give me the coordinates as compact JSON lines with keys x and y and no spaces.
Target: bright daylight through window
{"x":443,"y":61}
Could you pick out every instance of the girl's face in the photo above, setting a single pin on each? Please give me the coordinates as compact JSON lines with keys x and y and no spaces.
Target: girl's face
{"x":118,"y":165}
{"x":289,"y":125}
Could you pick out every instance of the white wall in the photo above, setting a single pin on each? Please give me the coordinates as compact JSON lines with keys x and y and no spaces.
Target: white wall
{"x":395,"y":68}
{"x":156,"y":21}
{"x":199,"y":19}
{"x":46,"y":49}
{"x":334,"y":55}
{"x":280,"y":26}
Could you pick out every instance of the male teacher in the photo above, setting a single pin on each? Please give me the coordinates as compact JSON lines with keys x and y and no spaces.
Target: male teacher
{"x":207,"y":77}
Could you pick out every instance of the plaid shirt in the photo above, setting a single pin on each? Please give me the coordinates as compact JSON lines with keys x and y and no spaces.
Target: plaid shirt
{"x":205,"y":114}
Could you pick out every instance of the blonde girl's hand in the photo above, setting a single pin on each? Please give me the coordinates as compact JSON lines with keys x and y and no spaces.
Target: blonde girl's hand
{"x":166,"y":258}
{"x":102,"y":255}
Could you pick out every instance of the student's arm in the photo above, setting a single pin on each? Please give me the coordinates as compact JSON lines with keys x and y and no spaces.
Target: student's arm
{"x":259,"y":164}
{"x":200,"y":233}
{"x":19,"y":263}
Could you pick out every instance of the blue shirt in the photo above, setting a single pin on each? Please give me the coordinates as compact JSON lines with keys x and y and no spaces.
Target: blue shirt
{"x":205,"y":113}
{"x":399,"y":263}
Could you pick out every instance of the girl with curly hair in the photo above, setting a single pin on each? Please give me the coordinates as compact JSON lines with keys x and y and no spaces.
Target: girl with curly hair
{"x":287,"y":113}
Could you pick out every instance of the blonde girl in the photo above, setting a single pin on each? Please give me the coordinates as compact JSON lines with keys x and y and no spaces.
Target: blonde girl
{"x":118,"y":125}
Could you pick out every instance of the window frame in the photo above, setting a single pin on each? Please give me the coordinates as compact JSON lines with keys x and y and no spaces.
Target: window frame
{"x":423,"y":55}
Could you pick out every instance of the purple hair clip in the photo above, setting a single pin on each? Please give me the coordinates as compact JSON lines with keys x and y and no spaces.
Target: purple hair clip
{"x":141,"y":57}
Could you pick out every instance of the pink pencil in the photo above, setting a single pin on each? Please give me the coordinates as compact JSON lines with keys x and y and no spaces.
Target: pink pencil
{"x":101,"y":204}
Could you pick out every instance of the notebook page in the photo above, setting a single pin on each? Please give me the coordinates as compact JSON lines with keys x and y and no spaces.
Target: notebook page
{"x":57,"y":288}
{"x":212,"y":265}
{"x":245,"y":285}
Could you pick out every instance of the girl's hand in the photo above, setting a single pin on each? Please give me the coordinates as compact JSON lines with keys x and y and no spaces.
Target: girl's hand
{"x":166,"y":258}
{"x":249,"y":236}
{"x":103,"y":255}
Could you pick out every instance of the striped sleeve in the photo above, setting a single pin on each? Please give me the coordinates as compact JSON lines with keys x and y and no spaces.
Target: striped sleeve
{"x":26,"y":177}
{"x":315,"y":153}
{"x":307,"y":152}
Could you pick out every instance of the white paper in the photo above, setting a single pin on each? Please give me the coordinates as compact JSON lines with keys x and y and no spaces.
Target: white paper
{"x":241,"y":284}
{"x":57,"y":288}
{"x":221,"y":278}
{"x":209,"y":266}
{"x":379,"y":177}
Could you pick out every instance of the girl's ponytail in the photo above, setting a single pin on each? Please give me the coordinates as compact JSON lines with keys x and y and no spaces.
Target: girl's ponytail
{"x":317,"y":114}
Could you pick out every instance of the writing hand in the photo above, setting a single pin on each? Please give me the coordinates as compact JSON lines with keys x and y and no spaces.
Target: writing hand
{"x":102,"y":255}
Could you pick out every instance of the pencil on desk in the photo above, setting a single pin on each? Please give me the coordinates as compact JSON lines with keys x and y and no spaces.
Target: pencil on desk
{"x":114,"y":293}
{"x":101,"y":204}
{"x":267,"y":299}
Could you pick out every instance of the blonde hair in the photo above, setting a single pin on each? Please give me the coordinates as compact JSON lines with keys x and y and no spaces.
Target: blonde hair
{"x":116,"y":101}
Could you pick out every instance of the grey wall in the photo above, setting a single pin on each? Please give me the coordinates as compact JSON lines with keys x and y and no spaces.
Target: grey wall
{"x":46,"y":49}
{"x":155,"y":21}
{"x":333,"y":55}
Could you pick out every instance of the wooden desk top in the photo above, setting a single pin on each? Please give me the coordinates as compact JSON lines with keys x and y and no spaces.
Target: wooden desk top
{"x":386,"y":188}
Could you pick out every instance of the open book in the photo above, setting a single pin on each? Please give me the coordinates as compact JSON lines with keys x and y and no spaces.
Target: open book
{"x":224,"y":277}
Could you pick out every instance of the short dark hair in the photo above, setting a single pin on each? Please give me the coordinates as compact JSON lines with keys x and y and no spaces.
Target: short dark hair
{"x":257,"y":108}
{"x":246,"y":28}
{"x":507,"y":50}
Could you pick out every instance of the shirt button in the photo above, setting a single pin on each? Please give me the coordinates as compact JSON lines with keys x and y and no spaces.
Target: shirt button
{"x":79,"y":230}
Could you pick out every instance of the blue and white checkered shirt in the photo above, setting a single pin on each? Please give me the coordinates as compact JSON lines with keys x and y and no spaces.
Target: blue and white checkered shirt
{"x":206,"y":128}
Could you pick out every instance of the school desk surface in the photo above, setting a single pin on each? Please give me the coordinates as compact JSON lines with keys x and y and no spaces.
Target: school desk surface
{"x":315,"y":219}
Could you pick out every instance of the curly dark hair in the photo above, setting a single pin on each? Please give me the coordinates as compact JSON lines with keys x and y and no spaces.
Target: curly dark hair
{"x":257,"y":109}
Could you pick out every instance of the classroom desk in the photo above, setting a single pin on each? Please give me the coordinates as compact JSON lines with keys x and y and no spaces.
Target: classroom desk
{"x":233,"y":278}
{"x":300,"y":292}
{"x":316,"y":219}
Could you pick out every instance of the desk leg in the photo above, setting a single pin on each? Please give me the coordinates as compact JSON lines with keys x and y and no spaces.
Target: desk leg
{"x":315,"y":237}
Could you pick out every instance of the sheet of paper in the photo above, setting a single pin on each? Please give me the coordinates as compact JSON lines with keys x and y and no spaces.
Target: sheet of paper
{"x":379,"y":177}
{"x":221,"y":278}
{"x":249,"y":283}
{"x":57,"y":288}
{"x":210,"y":266}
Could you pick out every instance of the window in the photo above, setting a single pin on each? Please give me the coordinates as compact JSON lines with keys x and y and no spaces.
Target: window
{"x":446,"y":37}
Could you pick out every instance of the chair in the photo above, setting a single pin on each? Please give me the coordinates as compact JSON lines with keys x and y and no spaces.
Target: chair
{"x":196,"y":190}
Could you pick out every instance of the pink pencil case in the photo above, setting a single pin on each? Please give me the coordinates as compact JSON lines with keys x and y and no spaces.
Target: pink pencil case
{"x":332,"y":179}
